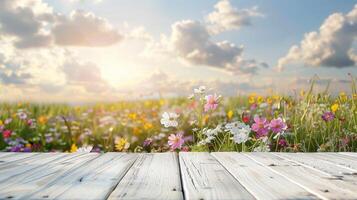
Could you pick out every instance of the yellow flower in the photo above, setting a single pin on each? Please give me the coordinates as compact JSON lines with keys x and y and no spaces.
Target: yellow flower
{"x":42,"y":120}
{"x":260,"y":99}
{"x":1,"y":123}
{"x":162,"y":102}
{"x":230,"y":114}
{"x":28,"y":145}
{"x":148,"y":126}
{"x":121,"y":144}
{"x":205,"y":119}
{"x":132,"y":116}
{"x":136,"y":131}
{"x":334,"y":107}
{"x":269,"y":100}
{"x":74,"y":148}
{"x":251,"y":99}
{"x":276,"y":97}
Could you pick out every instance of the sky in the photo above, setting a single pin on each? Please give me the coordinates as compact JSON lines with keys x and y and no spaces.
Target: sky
{"x":106,"y":50}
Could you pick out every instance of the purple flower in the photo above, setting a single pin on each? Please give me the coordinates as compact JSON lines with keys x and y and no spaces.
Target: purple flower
{"x":283,"y":143}
{"x":277,"y":125}
{"x":328,"y":116}
{"x":147,"y":142}
{"x":22,"y":115}
{"x":261,"y":126}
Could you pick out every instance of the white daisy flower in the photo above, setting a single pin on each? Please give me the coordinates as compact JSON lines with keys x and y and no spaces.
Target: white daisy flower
{"x":85,"y":149}
{"x":169,"y":119}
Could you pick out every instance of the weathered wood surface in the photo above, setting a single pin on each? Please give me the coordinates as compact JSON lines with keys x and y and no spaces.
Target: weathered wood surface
{"x":201,"y":176}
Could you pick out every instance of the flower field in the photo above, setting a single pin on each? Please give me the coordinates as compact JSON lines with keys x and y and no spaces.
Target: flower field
{"x":305,"y":122}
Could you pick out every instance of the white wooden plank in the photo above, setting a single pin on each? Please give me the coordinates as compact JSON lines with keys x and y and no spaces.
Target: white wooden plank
{"x":352,"y":154}
{"x":336,"y":158}
{"x":18,"y":167}
{"x":42,"y":174}
{"x":321,"y":184}
{"x":261,"y":182}
{"x":94,"y":180}
{"x":153,"y":176}
{"x":340,"y":172}
{"x":11,"y":157}
{"x":203,"y":177}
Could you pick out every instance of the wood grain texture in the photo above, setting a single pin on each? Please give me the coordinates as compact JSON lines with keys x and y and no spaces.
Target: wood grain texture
{"x":42,"y":175}
{"x":339,"y":172}
{"x":17,"y":167}
{"x":352,"y":154}
{"x":203,"y":177}
{"x":321,"y":184}
{"x":11,"y":157}
{"x":95,"y":179}
{"x":153,"y":176}
{"x":261,"y":182}
{"x":336,"y":158}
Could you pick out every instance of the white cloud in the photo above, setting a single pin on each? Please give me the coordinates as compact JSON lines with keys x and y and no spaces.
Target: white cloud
{"x":84,"y":29}
{"x":26,"y":21}
{"x":225,"y":17}
{"x":331,"y":46}
{"x":34,"y":24}
{"x":191,"y":41}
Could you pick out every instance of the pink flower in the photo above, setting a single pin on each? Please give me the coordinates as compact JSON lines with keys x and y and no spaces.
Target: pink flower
{"x":185,"y":149}
{"x":211,"y":102}
{"x":283,"y":143}
{"x":7,"y":133}
{"x":277,"y":125}
{"x":260,"y":126}
{"x":328,"y":116}
{"x":176,"y":141}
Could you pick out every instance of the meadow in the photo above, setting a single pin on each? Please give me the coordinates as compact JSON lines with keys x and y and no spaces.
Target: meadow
{"x":305,"y":122}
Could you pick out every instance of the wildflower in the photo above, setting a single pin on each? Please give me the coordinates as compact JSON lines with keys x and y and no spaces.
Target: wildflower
{"x":22,"y":115}
{"x":251,"y":99}
{"x":169,"y":119}
{"x":1,"y":123}
{"x":211,"y":102}
{"x":185,"y":149}
{"x":328,"y":116}
{"x":260,"y":126}
{"x":260,"y":100}
{"x":6,"y":133}
{"x":263,"y":105}
{"x":230,"y":114}
{"x":121,"y":144}
{"x":262,"y":148}
{"x":147,"y":142}
{"x":282,"y":142}
{"x":245,"y":118}
{"x":8,"y":121}
{"x":200,"y":90}
{"x":74,"y":148}
{"x":240,"y":131}
{"x":277,"y":125}
{"x":49,"y":137}
{"x":334,"y":107}
{"x":85,"y":149}
{"x":176,"y":141}
{"x":42,"y":120}
{"x":253,"y":106}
